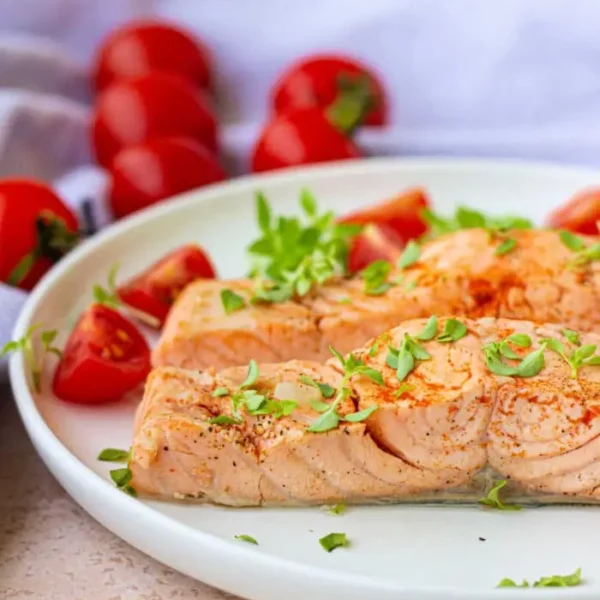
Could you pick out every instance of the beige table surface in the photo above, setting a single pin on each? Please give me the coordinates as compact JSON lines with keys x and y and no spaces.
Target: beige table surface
{"x":50,"y":549}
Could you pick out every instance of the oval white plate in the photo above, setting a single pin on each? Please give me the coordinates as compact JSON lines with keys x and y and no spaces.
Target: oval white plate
{"x":416,"y":552}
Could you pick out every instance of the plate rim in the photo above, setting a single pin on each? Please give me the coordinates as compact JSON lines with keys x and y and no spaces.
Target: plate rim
{"x":53,"y":451}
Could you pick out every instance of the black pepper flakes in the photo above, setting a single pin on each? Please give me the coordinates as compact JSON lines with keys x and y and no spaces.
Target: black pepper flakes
{"x":482,"y":539}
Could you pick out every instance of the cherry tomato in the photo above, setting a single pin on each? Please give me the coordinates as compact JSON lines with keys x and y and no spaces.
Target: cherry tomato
{"x":147,"y":173}
{"x":375,"y":242}
{"x":402,"y":214}
{"x":144,"y":46}
{"x":581,"y":214}
{"x":152,"y":106}
{"x":155,"y":290}
{"x":36,"y":230}
{"x":301,"y":137}
{"x":104,"y":358}
{"x":316,"y":80}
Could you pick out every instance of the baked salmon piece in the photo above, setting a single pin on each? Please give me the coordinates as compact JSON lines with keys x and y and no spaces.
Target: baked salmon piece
{"x":476,"y":400}
{"x":458,"y":274}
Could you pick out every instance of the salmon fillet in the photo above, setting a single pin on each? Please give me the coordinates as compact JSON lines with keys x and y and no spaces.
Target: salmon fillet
{"x":445,"y":430}
{"x":458,"y":274}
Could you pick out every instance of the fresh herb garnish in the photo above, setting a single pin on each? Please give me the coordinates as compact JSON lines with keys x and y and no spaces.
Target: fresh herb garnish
{"x":403,"y":359}
{"x":114,"y":455}
{"x":373,"y":349}
{"x":122,"y":479}
{"x":572,"y":336}
{"x":581,"y":356}
{"x":220,"y":392}
{"x":109,"y":297}
{"x":252,"y":374}
{"x":330,"y":418}
{"x":571,"y":241}
{"x":293,"y":255}
{"x":326,"y":390}
{"x":224,"y":420}
{"x":583,"y":254}
{"x":375,"y":277}
{"x":26,"y":346}
{"x":404,"y":387}
{"x":508,"y":245}
{"x":231,"y":301}
{"x":454,"y":330}
{"x":410,"y":256}
{"x":429,"y":331}
{"x":571,"y":580}
{"x":338,"y":509}
{"x":410,"y":286}
{"x":334,"y":540}
{"x":243,"y":537}
{"x":493,"y":498}
{"x":529,"y":365}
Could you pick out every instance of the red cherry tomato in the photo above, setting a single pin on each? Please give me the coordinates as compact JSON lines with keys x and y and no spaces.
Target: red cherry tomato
{"x":155,"y":290}
{"x":375,"y":242}
{"x":153,"y":106}
{"x":144,"y":46}
{"x":401,"y":214}
{"x":144,"y":174}
{"x":301,"y":137}
{"x":36,"y":230}
{"x":104,"y":358}
{"x":581,"y":214}
{"x":316,"y":80}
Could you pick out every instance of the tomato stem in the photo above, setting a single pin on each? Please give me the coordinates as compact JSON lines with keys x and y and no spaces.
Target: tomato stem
{"x":354,"y":101}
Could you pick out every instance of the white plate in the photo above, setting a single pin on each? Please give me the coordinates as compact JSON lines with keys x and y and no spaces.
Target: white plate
{"x":416,"y":552}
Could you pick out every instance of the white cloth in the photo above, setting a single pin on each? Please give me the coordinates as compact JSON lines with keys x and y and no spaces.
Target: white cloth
{"x":467,"y":77}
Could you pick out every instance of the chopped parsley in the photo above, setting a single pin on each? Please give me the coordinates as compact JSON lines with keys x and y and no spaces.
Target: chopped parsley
{"x":243,"y":537}
{"x":334,"y":540}
{"x":114,"y":455}
{"x":231,"y":301}
{"x":26,"y":345}
{"x":375,"y":277}
{"x":570,"y":580}
{"x":293,"y":255}
{"x":330,"y":418}
{"x":493,"y":498}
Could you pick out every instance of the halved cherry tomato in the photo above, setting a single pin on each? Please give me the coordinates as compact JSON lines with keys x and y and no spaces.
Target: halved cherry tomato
{"x":36,"y":230}
{"x":375,"y":242}
{"x":155,"y":290}
{"x":104,"y":358}
{"x":144,"y":46}
{"x":402,"y":214}
{"x":147,"y":173}
{"x":316,"y":81}
{"x":581,"y":214}
{"x":152,"y":106}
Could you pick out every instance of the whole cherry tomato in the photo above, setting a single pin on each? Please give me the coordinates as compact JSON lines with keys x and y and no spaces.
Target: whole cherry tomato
{"x":375,"y":242}
{"x":154,"y":291}
{"x":581,"y":214}
{"x":36,"y":230}
{"x":316,"y":81}
{"x":104,"y":358}
{"x":141,"y":47}
{"x":402,"y":214}
{"x":152,"y":106}
{"x":144,"y":174}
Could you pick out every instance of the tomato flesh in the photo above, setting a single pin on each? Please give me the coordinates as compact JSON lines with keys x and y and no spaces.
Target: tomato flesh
{"x":402,"y":214}
{"x":22,"y":202}
{"x":104,"y":358}
{"x":375,"y":242}
{"x":155,"y":290}
{"x":581,"y":214}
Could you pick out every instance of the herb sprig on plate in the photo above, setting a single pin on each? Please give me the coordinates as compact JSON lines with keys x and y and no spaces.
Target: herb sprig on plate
{"x":582,"y":253}
{"x":571,"y":580}
{"x":493,"y":498}
{"x":528,"y":366}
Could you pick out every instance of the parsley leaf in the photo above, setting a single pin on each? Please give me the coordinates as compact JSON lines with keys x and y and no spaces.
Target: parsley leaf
{"x":429,"y":331}
{"x":571,"y":580}
{"x":506,"y":583}
{"x":252,"y":374}
{"x":375,"y":277}
{"x":580,"y":357}
{"x":533,"y":363}
{"x":583,"y":254}
{"x":224,"y":420}
{"x":410,"y":256}
{"x":454,"y":330}
{"x":334,"y":540}
{"x":338,"y":509}
{"x":508,"y":245}
{"x":243,"y":537}
{"x":326,"y":390}
{"x":404,"y":359}
{"x":231,"y":301}
{"x":122,"y":478}
{"x":114,"y":455}
{"x":220,"y":391}
{"x":572,"y":336}
{"x":529,"y":366}
{"x":361,"y":415}
{"x":493,"y":498}
{"x":571,"y":241}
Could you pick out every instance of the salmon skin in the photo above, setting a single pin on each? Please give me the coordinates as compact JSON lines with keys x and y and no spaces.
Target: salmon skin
{"x":495,"y":399}
{"x":461,"y":273}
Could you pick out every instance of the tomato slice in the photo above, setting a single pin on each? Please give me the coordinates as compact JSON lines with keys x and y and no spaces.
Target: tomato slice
{"x":155,"y":290}
{"x":375,"y":242}
{"x":580,"y":214}
{"x":104,"y":358}
{"x":402,"y":214}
